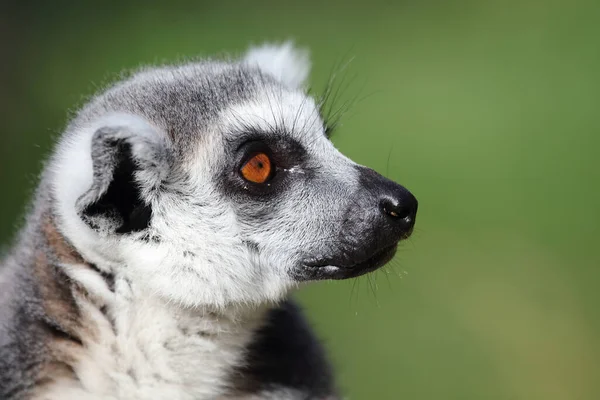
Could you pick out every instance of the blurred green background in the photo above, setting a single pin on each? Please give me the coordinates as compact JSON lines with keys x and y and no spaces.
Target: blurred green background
{"x":486,"y":110}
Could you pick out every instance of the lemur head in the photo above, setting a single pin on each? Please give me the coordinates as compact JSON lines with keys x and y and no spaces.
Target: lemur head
{"x":214,"y":183}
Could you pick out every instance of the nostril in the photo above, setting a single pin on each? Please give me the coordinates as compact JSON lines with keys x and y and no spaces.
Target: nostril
{"x":396,"y":209}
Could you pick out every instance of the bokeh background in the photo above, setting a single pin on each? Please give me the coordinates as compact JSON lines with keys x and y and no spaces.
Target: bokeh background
{"x":487,"y":110}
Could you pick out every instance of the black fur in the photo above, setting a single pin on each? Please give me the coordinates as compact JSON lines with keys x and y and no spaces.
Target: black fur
{"x":285,"y":353}
{"x":122,"y":200}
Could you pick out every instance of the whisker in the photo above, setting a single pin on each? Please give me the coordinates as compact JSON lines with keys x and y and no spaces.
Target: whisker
{"x":325,"y":105}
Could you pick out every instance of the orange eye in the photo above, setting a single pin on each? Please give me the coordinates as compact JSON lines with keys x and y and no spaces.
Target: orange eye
{"x":257,"y":169}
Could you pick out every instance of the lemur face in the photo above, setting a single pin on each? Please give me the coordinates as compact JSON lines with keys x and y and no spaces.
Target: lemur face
{"x":215,"y":184}
{"x":301,"y":206}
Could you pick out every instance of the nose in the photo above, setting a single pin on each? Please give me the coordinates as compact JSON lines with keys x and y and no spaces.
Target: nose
{"x":400,"y":208}
{"x":397,"y":206}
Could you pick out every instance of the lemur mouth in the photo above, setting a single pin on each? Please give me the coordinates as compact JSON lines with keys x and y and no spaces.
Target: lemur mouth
{"x":334,"y":269}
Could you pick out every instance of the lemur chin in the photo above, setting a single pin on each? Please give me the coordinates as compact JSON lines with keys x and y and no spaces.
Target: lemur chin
{"x":178,"y":210}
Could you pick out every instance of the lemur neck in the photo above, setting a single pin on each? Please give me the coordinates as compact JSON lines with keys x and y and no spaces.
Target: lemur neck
{"x":113,"y":336}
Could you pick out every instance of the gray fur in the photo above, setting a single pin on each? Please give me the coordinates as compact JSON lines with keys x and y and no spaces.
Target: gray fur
{"x":179,"y":99}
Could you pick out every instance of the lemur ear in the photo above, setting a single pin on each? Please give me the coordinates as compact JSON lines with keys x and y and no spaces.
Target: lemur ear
{"x":129,"y":160}
{"x":285,"y":62}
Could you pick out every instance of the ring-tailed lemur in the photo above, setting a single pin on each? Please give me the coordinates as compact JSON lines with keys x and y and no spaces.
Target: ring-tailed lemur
{"x":179,"y":208}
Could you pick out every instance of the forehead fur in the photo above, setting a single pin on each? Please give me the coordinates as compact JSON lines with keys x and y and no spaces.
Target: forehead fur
{"x":183,"y":100}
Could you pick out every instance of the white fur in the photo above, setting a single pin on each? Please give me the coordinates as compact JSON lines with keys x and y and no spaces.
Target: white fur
{"x":283,"y":61}
{"x":158,"y":350}
{"x":95,"y":286}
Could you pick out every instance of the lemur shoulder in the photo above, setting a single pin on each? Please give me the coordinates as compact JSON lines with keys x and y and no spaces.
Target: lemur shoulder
{"x":178,"y":210}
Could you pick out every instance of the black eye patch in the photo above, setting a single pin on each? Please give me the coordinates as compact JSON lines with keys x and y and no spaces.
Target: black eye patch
{"x":283,"y":151}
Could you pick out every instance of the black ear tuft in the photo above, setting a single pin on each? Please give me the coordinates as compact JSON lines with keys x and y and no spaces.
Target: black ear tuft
{"x":114,"y":203}
{"x":121,"y":202}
